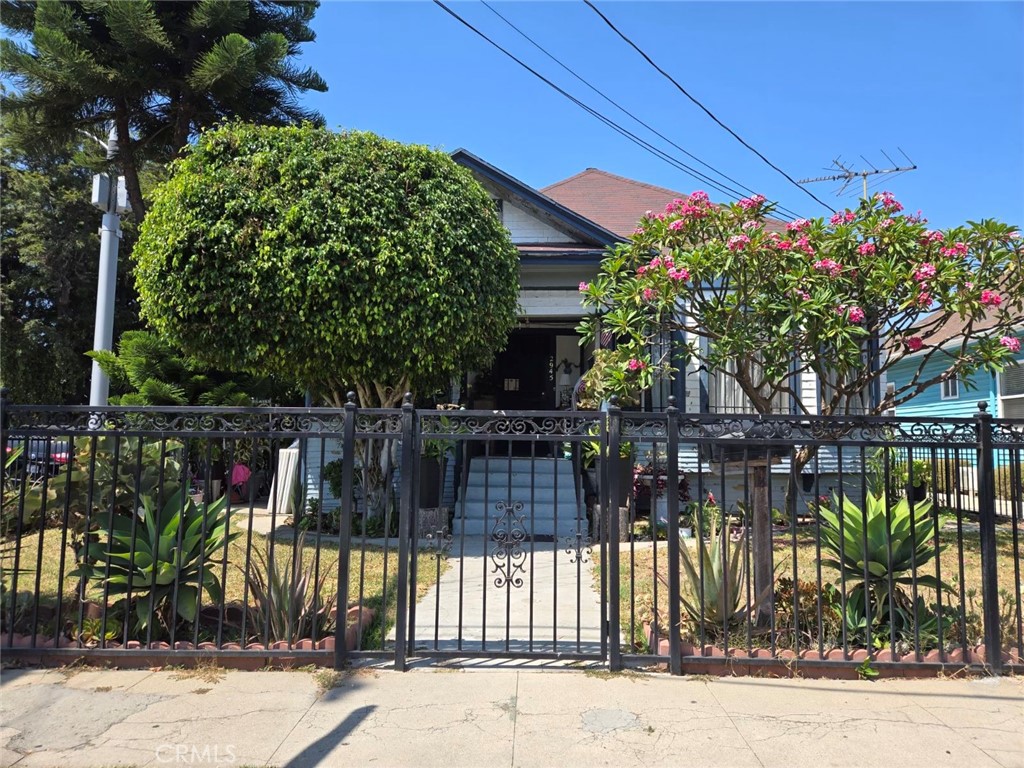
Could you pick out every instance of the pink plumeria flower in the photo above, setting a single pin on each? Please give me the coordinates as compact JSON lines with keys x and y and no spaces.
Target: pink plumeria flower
{"x":914,"y":343}
{"x":1012,"y":343}
{"x":636,"y":365}
{"x":676,"y":225}
{"x":749,"y":203}
{"x":738,"y":242}
{"x":924,"y":299}
{"x":584,"y":287}
{"x":641,"y":230}
{"x":679,"y":274}
{"x":866,"y":249}
{"x":991,"y":298}
{"x":798,"y":225}
{"x":886,"y":223}
{"x":925,"y":271}
{"x":784,"y":245}
{"x":888,"y":201}
{"x":699,"y":196}
{"x":749,"y":224}
{"x":856,"y":315}
{"x":828,"y":266}
{"x":649,"y":294}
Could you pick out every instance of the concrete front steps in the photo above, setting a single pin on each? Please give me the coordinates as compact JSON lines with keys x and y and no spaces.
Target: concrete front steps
{"x":496,"y":482}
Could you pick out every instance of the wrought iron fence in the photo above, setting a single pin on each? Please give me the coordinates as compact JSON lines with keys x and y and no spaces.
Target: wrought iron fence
{"x":692,"y":540}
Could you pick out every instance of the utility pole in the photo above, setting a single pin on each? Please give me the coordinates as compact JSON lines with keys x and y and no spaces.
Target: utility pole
{"x":109,"y":195}
{"x":847,"y":174}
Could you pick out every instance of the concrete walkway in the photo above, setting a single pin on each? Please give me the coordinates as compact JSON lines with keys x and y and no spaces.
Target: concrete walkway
{"x":452,"y":717}
{"x":540,"y":598}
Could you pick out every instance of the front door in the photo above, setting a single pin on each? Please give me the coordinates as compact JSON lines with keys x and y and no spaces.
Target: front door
{"x":526,"y":372}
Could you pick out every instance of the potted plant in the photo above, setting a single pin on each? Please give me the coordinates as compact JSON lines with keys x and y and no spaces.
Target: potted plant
{"x":433,"y":461}
{"x":590,"y":458}
{"x":651,"y":480}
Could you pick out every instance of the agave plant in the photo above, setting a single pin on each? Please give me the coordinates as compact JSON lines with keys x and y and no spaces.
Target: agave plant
{"x":860,"y":542}
{"x":716,"y":579}
{"x":288,"y":598}
{"x":163,"y":557}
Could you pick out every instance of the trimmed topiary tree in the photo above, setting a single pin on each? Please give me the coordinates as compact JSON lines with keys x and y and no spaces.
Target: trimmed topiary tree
{"x":339,"y":260}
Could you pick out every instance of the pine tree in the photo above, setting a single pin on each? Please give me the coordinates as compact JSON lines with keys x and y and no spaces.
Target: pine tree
{"x":158,"y":71}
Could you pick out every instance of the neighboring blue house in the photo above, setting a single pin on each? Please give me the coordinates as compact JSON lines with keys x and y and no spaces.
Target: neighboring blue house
{"x":1003,"y":391}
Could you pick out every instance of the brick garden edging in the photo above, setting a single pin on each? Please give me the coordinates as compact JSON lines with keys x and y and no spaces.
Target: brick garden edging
{"x":712,"y":660}
{"x":135,"y":654}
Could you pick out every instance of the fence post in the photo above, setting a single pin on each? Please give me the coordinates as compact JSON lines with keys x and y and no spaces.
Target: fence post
{"x":987,"y":525}
{"x":5,"y":417}
{"x":611,"y":509}
{"x":348,"y":461}
{"x":409,"y":452}
{"x":675,"y":663}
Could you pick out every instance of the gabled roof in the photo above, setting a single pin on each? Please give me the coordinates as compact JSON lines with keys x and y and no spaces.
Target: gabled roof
{"x":615,"y":202}
{"x":560,"y":216}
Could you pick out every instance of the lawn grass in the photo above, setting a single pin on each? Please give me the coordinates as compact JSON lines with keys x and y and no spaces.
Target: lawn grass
{"x":642,"y":595}
{"x":373,"y":575}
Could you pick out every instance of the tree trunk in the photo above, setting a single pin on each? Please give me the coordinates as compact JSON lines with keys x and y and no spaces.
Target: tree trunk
{"x":129,"y":167}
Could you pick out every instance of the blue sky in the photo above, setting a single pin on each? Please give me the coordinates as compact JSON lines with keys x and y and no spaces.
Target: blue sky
{"x":802,"y":82}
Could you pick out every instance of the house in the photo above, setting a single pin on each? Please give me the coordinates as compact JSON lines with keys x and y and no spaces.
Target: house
{"x":562,"y":233}
{"x":1004,"y":391}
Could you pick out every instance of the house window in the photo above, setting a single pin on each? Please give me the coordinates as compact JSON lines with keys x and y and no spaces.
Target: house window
{"x":1011,"y":392}
{"x":725,"y":395}
{"x":950,"y":388}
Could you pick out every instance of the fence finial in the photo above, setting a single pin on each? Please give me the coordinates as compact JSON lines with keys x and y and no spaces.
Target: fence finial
{"x":983,"y":406}
{"x":671,"y":401}
{"x":351,"y":397}
{"x":407,"y":399}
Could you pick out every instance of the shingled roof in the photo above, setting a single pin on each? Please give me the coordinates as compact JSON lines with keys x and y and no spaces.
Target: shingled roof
{"x":615,"y":202}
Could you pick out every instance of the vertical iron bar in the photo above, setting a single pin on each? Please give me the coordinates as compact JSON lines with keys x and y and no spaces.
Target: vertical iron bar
{"x":614,"y":439}
{"x":987,"y":524}
{"x":348,"y":460}
{"x":675,"y":663}
{"x":409,"y":455}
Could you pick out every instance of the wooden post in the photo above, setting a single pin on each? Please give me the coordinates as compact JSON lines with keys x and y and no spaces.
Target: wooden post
{"x":762,"y":537}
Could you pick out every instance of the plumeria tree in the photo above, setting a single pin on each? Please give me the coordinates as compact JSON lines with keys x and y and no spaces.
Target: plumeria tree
{"x":843,"y":300}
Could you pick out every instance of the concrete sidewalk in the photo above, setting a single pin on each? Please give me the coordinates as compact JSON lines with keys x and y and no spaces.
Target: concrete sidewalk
{"x":501,"y":717}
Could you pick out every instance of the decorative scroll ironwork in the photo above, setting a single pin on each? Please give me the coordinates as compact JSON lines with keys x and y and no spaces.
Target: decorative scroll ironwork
{"x":578,"y":547}
{"x":379,"y":422}
{"x":440,"y":542}
{"x":784,"y":432}
{"x":1008,"y":433}
{"x":468,"y":423}
{"x":508,"y":555}
{"x":228,"y":422}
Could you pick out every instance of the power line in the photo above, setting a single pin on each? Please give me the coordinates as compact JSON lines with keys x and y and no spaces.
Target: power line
{"x":707,"y":111}
{"x":607,"y":121}
{"x":625,"y":111}
{"x":593,"y":112}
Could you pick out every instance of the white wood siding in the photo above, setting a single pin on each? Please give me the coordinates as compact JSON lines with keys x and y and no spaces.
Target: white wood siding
{"x":525,"y":227}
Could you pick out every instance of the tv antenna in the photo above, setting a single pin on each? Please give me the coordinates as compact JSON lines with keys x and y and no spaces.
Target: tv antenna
{"x":847,"y":174}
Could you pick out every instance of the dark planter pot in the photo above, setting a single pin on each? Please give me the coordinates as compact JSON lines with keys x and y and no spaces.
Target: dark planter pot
{"x":919,"y":493}
{"x":625,"y":483}
{"x":431,"y":475}
{"x":756,"y":446}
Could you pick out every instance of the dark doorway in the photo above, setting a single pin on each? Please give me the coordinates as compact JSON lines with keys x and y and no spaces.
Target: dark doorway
{"x":525,"y":372}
